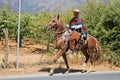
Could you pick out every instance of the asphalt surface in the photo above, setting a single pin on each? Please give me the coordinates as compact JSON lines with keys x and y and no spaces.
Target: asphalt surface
{"x":109,"y":75}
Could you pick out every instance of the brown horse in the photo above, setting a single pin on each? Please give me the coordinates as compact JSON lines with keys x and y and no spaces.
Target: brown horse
{"x":88,"y":49}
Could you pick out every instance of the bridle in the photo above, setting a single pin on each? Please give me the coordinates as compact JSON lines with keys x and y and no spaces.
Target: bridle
{"x":54,"y":27}
{"x":60,"y":32}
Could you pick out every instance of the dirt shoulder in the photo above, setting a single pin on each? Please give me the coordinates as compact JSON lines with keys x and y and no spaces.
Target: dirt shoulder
{"x":34,"y":59}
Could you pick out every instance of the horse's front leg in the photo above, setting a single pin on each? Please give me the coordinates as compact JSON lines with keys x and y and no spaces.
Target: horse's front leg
{"x":66,"y":62}
{"x":55,"y":58}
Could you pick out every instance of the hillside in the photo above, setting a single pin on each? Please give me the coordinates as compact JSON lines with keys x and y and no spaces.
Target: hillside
{"x":34,"y":6}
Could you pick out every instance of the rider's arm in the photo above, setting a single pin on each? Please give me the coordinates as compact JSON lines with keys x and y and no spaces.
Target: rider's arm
{"x":77,"y":26}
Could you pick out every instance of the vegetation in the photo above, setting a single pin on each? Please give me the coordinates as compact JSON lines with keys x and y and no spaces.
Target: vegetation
{"x":101,"y":20}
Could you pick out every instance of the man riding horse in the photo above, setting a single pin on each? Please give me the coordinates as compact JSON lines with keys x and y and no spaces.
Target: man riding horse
{"x":91,"y":50}
{"x":76,"y":24}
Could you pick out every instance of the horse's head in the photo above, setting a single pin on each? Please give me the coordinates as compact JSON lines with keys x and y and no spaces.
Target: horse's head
{"x":53,"y":24}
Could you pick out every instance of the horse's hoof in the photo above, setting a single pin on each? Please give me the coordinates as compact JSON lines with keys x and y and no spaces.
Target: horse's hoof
{"x":51,"y":72}
{"x":88,"y":72}
{"x":83,"y":71}
{"x":67,"y":72}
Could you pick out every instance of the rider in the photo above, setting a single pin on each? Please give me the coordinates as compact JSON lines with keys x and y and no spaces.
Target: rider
{"x":76,"y":24}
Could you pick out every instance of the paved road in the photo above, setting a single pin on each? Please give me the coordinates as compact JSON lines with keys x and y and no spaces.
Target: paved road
{"x":72,"y":76}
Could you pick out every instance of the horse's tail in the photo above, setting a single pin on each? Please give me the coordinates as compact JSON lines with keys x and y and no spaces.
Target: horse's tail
{"x":98,"y":51}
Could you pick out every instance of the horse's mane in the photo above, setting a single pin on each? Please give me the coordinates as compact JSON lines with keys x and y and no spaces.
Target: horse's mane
{"x":61,"y":22}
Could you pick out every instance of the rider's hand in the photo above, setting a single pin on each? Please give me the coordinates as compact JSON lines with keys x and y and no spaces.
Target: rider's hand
{"x":67,"y":25}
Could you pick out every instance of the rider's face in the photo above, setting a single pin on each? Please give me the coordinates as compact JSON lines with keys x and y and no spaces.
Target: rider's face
{"x":76,"y":14}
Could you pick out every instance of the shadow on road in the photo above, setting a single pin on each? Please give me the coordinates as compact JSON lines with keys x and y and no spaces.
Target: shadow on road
{"x":60,"y":70}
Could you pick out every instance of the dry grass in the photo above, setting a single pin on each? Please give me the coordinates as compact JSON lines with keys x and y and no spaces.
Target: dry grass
{"x":33,"y":59}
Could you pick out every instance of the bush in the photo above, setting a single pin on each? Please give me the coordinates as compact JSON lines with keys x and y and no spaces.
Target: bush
{"x":101,"y":20}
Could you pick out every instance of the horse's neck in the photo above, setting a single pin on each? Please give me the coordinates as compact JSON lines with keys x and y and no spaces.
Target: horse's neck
{"x":58,"y":32}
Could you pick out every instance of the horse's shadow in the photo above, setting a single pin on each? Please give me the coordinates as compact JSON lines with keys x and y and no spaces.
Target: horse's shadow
{"x":60,"y":70}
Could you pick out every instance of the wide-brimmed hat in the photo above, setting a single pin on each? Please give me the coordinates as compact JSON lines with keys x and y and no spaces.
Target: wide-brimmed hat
{"x":76,"y":10}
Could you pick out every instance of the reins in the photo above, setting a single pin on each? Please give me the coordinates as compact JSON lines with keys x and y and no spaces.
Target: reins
{"x":60,"y":31}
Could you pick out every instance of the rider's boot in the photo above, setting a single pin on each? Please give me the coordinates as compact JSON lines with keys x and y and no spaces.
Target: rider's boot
{"x":83,"y":38}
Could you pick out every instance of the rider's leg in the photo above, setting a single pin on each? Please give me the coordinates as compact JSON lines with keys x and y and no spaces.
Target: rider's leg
{"x":84,"y":37}
{"x":66,"y":35}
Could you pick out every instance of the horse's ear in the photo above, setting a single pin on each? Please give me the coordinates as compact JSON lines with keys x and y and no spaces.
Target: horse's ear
{"x":58,"y":16}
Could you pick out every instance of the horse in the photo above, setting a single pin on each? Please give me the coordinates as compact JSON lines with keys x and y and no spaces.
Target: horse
{"x":87,"y":49}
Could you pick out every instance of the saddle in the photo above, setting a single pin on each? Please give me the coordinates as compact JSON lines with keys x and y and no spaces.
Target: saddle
{"x":76,"y":39}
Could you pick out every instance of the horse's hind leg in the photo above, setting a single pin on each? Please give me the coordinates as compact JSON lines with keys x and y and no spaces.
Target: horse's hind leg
{"x":86,"y":59}
{"x":66,"y":62}
{"x":91,"y":65}
{"x":91,"y":54}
